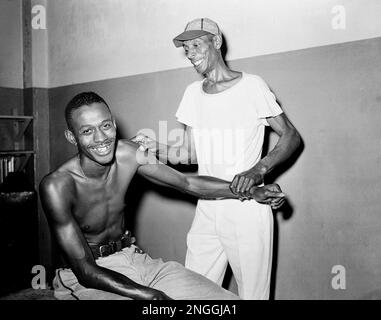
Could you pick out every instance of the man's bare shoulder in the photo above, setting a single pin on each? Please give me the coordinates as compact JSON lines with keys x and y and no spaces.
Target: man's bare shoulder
{"x":126,"y":150}
{"x":130,"y":153}
{"x":59,"y":179}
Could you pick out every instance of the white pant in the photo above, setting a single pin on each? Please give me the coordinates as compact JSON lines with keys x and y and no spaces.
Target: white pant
{"x":237,"y":232}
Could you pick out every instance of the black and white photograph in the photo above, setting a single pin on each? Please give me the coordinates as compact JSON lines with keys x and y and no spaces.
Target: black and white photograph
{"x":198,"y":150}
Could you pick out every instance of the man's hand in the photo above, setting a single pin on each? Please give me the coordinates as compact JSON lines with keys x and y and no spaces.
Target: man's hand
{"x":153,"y":294}
{"x":269,"y":194}
{"x":244,"y":181}
{"x":145,"y":142}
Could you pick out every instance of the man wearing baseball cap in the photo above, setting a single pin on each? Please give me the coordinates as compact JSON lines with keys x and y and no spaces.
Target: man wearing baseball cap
{"x":225,"y":115}
{"x":196,"y":29}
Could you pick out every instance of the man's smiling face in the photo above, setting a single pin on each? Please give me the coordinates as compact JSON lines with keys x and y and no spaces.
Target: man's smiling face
{"x":201,"y":53}
{"x":95,"y":132}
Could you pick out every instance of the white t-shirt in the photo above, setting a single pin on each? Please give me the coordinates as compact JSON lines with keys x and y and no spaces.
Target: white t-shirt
{"x":228,"y":127}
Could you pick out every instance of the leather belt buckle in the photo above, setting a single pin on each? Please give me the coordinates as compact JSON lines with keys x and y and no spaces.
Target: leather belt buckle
{"x":113,"y":247}
{"x":104,"y":250}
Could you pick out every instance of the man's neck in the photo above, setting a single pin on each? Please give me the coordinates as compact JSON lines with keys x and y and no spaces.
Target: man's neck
{"x":92,"y":170}
{"x":219,"y":74}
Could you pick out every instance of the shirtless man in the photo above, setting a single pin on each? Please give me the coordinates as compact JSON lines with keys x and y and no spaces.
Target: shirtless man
{"x":84,"y":201}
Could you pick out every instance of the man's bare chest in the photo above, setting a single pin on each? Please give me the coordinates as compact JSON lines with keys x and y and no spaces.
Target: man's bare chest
{"x":99,"y":204}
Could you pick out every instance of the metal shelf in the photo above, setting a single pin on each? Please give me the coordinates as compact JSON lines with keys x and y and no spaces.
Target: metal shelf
{"x":15,"y":152}
{"x":20,"y":125}
{"x":16,"y":117}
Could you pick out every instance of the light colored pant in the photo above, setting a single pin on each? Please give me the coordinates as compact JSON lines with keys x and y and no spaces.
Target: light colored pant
{"x":170,"y":277}
{"x":237,"y":232}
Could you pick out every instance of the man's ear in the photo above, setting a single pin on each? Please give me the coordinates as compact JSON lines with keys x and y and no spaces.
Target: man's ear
{"x":113,"y":121}
{"x":217,"y":42}
{"x":70,"y":137}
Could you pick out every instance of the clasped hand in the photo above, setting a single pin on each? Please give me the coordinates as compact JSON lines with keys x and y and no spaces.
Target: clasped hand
{"x":270,"y":194}
{"x":244,"y":184}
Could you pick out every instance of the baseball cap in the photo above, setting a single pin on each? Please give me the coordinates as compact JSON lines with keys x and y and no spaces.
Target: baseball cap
{"x":197,"y":28}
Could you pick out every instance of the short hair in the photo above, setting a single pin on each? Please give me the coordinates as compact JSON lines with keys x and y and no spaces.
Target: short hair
{"x":82,"y":99}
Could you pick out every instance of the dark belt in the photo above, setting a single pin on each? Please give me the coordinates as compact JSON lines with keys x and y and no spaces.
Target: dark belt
{"x":105,"y":250}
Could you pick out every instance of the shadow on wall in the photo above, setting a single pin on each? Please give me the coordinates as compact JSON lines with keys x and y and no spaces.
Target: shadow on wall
{"x":133,"y":199}
{"x":287,"y":210}
{"x":224,"y":49}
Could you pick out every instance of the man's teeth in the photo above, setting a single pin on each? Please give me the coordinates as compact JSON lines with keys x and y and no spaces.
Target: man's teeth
{"x":101,"y":149}
{"x":197,"y":63}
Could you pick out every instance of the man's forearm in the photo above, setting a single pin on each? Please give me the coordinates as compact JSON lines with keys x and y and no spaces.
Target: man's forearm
{"x":206,"y":187}
{"x":100,"y":278}
{"x":173,"y":155}
{"x":285,"y":147}
{"x":162,"y":152}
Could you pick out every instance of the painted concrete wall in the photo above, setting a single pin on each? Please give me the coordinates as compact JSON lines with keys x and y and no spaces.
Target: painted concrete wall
{"x":24,"y":53}
{"x":39,"y":51}
{"x":91,"y":40}
{"x":331,"y":94}
{"x":11,"y":48}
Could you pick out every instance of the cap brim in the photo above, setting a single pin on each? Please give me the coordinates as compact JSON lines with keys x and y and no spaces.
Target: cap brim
{"x":188,"y":35}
